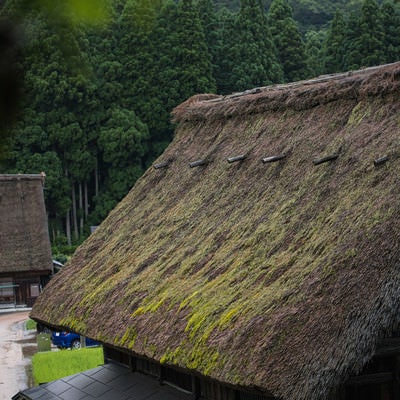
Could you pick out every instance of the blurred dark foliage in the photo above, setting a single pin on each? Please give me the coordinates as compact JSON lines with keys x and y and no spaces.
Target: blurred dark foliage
{"x":10,"y":79}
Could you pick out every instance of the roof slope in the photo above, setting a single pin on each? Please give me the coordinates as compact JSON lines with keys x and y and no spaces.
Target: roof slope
{"x":280,"y":276}
{"x":24,"y":238}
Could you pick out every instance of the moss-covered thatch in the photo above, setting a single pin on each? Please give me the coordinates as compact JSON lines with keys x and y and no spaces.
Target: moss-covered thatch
{"x":24,"y":238}
{"x":281,"y":276}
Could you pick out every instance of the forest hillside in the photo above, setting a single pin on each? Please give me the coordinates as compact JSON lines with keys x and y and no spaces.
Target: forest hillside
{"x":309,"y":14}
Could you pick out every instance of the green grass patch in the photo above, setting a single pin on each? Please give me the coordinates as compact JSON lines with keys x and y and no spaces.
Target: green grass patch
{"x":30,"y":324}
{"x":51,"y":365}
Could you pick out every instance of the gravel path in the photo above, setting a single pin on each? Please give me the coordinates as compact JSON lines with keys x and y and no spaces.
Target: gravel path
{"x":16,"y":347}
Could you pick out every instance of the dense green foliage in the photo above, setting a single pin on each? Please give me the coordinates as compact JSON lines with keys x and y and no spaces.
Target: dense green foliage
{"x":97,"y":97}
{"x":288,"y":41}
{"x":30,"y":324}
{"x":334,"y":45}
{"x":247,"y":55}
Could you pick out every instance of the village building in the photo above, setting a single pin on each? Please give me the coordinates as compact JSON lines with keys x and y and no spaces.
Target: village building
{"x":259,"y":258}
{"x":25,"y":253}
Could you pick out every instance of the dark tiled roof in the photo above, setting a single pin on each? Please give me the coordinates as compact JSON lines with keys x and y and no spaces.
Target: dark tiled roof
{"x":107,"y":382}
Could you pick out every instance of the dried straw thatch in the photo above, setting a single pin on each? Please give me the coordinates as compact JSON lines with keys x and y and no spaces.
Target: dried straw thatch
{"x":281,"y":276}
{"x":24,"y":238}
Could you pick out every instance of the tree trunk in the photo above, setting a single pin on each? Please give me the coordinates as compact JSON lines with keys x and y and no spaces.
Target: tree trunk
{"x":81,"y":215}
{"x":85,"y":188}
{"x":68,"y":220}
{"x":96,"y":177}
{"x":74,"y":214}
{"x":68,"y":227}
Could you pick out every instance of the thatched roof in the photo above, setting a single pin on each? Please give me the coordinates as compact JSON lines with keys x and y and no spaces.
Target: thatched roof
{"x":24,"y":238}
{"x":281,"y":276}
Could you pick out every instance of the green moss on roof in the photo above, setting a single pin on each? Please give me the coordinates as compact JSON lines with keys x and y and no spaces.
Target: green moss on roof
{"x":279,"y":276}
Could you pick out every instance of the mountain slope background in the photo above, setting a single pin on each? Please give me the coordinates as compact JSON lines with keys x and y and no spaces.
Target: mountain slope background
{"x":310,"y":14}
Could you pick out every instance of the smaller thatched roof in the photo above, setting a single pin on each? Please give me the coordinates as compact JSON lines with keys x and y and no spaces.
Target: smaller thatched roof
{"x":24,"y":238}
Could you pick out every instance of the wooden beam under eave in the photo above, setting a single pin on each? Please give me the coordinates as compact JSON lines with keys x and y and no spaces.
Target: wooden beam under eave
{"x":388,"y":347}
{"x":370,"y":379}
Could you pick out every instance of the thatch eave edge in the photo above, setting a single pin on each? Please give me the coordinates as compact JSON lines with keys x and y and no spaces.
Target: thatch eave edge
{"x":351,"y":85}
